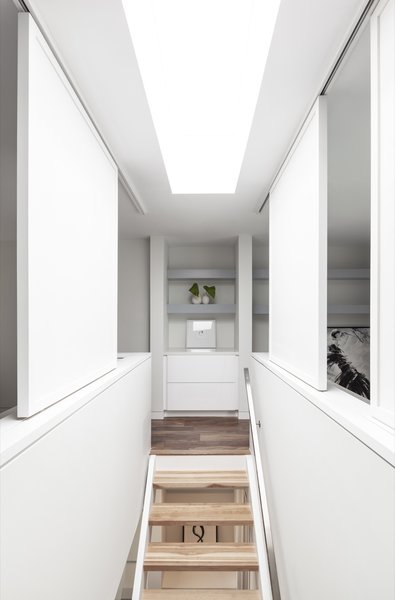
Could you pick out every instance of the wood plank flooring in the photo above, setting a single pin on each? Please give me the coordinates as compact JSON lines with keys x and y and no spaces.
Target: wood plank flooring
{"x":199,"y":435}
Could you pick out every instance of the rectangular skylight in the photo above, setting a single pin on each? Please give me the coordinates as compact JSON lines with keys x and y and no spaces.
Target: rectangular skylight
{"x":202,"y":63}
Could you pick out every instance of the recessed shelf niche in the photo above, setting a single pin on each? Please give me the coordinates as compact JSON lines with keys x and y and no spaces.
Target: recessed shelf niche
{"x":207,"y":265}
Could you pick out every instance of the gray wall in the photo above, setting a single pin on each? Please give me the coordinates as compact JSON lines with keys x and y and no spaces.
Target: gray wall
{"x":8,"y":116}
{"x":133,"y":295}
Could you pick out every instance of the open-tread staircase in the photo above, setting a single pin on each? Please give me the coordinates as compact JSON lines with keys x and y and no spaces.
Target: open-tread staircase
{"x":234,"y":513}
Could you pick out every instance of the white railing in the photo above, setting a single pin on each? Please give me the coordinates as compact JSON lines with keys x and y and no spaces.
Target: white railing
{"x":138,"y":585}
{"x":268,"y":569}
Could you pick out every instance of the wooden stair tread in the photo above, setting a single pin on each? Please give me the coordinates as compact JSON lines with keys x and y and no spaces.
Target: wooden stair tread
{"x":203,"y":557}
{"x":201,"y":594}
{"x":200,"y":479}
{"x":200,"y":513}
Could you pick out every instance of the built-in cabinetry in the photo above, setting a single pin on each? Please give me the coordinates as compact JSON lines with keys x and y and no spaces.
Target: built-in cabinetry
{"x":208,"y":381}
{"x":202,"y":382}
{"x":338,"y":308}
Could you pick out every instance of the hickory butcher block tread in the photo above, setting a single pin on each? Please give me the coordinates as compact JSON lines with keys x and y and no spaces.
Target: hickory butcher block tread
{"x":168,"y":480}
{"x":200,"y":557}
{"x":203,"y":594}
{"x":201,"y":514}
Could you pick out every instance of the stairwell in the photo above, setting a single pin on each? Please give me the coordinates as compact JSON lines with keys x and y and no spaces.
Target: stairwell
{"x":199,"y":535}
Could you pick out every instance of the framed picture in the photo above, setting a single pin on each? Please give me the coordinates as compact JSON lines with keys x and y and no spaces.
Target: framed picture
{"x":200,"y":534}
{"x":348,"y":359}
{"x":201,"y":334}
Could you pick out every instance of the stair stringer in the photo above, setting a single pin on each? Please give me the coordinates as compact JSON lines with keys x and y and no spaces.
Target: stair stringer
{"x":138,"y":585}
{"x":259,"y":532}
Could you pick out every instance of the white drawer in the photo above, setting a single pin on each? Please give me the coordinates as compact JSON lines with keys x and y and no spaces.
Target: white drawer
{"x":202,"y":369}
{"x":202,"y":396}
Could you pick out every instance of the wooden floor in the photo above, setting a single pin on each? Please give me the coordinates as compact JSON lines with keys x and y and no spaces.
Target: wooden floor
{"x":200,"y":435}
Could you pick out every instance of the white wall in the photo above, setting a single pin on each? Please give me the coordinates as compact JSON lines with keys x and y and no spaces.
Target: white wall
{"x":260,"y":293}
{"x":133,"y":295}
{"x":331,"y":499}
{"x":8,"y":118}
{"x":71,"y":501}
{"x":244,"y":313}
{"x":158,"y":319}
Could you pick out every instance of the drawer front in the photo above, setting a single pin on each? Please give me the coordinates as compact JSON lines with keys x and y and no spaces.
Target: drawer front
{"x":200,"y":369}
{"x":202,"y":396}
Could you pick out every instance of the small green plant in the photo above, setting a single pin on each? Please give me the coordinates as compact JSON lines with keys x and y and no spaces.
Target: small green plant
{"x":194,"y":290}
{"x":210,"y":291}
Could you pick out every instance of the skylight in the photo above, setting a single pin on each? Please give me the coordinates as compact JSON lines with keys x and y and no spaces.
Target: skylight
{"x":202,"y":63}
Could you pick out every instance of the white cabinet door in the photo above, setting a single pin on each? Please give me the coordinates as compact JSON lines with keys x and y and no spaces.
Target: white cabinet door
{"x":202,"y":396}
{"x":202,"y":368}
{"x":202,"y":382}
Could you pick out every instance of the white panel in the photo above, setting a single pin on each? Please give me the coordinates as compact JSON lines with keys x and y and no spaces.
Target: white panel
{"x":72,"y":500}
{"x":158,"y":318}
{"x":67,"y":235}
{"x":244,"y":310}
{"x":133,"y":295}
{"x":202,"y":396}
{"x":298,"y":255}
{"x":201,"y":368}
{"x":331,"y":499}
{"x":383,"y":212}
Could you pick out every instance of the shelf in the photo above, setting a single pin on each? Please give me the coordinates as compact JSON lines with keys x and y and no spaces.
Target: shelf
{"x":333,"y":309}
{"x":201,"y":352}
{"x":348,"y":309}
{"x":201,"y":309}
{"x":260,"y":309}
{"x":348,"y":273}
{"x":207,"y":274}
{"x":332,"y":274}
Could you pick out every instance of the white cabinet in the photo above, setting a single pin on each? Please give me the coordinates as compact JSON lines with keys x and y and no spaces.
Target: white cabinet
{"x":206,"y":382}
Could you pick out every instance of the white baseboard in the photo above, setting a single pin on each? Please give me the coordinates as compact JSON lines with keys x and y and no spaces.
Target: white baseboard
{"x":244,"y":414}
{"x":157,"y":414}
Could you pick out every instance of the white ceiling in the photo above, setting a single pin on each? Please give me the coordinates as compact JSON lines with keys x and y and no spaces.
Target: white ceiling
{"x":93,"y":42}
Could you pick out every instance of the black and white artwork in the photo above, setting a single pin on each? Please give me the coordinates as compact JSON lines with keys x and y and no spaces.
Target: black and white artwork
{"x":349,"y":359}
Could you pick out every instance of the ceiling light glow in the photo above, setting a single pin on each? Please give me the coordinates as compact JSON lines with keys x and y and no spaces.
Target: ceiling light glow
{"x":202,"y":63}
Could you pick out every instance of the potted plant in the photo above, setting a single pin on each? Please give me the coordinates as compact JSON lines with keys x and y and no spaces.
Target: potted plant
{"x":210,"y":293}
{"x":194,"y":290}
